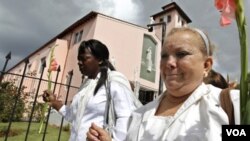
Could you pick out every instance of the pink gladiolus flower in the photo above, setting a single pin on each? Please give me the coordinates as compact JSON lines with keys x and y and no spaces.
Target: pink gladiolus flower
{"x":234,"y":9}
{"x":224,"y":21}
{"x":53,"y":65}
{"x":53,"y":62}
{"x":227,"y":9}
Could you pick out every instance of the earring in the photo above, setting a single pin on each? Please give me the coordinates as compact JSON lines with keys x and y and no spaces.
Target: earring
{"x":100,"y":62}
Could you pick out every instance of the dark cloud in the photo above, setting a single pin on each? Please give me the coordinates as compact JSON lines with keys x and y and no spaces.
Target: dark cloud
{"x":27,"y":25}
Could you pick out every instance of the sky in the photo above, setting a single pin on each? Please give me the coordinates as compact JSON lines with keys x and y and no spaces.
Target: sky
{"x":26,"y":25}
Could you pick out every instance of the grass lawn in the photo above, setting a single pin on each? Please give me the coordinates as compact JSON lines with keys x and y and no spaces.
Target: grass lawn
{"x":52,"y":132}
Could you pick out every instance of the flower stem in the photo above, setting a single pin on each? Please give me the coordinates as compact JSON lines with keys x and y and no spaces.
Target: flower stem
{"x":45,"y":105}
{"x":244,"y":97}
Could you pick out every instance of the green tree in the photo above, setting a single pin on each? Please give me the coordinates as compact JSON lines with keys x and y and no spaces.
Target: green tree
{"x":8,"y":94}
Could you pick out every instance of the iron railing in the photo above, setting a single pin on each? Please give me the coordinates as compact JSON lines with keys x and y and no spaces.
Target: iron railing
{"x":34,"y":86}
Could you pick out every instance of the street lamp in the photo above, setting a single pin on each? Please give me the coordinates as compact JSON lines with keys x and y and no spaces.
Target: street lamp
{"x":163,"y":31}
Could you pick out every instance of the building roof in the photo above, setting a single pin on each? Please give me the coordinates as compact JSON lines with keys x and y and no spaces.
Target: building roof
{"x":172,"y":6}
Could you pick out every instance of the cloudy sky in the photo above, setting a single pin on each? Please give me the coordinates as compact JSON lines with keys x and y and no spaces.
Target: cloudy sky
{"x":25,"y":25}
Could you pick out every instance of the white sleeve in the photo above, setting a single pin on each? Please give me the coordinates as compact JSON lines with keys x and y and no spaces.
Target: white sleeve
{"x":69,"y":112}
{"x":123,"y":105}
{"x":235,"y":97}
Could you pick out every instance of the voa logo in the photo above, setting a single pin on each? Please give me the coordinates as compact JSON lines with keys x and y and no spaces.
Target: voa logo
{"x":236,"y":132}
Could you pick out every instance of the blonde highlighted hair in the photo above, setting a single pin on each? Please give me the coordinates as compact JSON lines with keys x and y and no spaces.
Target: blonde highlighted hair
{"x":205,"y":44}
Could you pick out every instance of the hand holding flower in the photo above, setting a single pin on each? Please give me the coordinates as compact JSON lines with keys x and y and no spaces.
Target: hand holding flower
{"x":50,"y":99}
{"x":48,"y":96}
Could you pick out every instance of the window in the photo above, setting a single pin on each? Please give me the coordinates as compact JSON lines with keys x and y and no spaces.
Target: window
{"x":41,"y":64}
{"x":67,"y":81}
{"x":182,"y":23}
{"x":29,"y":67}
{"x":169,"y":19}
{"x":28,"y":72}
{"x":78,"y":37}
{"x":18,"y":78}
{"x":161,"y":20}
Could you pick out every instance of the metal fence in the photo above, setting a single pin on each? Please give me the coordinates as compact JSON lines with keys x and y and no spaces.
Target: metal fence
{"x":34,"y":86}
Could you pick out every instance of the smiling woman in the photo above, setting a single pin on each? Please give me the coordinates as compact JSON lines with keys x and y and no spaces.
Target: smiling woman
{"x":188,"y":109}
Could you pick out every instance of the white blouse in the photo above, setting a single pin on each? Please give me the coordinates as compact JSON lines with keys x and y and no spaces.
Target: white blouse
{"x":200,"y":118}
{"x":93,"y":111}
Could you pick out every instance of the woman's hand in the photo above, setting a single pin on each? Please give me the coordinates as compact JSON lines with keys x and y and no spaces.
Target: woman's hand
{"x":96,"y":133}
{"x":48,"y":96}
{"x":51,"y":99}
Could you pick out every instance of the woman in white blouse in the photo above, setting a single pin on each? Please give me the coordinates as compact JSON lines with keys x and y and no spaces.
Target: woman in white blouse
{"x":188,"y":110}
{"x":89,"y":103}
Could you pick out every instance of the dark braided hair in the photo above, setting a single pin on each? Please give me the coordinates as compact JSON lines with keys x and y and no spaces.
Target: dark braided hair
{"x":100,"y":52}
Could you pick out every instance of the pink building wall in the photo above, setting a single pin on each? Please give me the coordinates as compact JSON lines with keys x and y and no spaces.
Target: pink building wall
{"x":125,"y":42}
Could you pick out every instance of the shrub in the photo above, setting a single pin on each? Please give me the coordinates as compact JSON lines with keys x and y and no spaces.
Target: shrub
{"x":8,"y":95}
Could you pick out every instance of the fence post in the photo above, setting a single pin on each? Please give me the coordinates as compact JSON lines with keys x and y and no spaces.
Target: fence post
{"x":71,"y":75}
{"x":16,"y":99}
{"x":34,"y":104}
{"x":49,"y":109}
{"x":8,"y":57}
